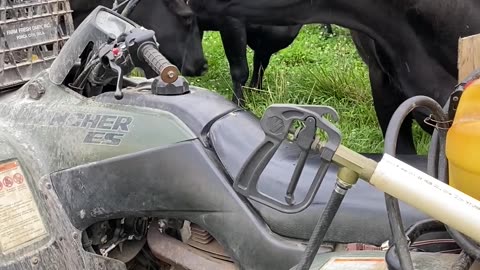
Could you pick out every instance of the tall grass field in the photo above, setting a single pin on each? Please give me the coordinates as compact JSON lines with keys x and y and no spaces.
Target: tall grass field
{"x":316,"y":69}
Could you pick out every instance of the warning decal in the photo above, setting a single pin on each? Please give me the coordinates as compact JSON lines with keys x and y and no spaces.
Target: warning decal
{"x":20,"y":220}
{"x":356,"y":263}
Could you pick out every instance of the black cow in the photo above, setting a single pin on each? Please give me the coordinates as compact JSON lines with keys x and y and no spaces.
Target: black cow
{"x":410,"y":46}
{"x":174,"y":26}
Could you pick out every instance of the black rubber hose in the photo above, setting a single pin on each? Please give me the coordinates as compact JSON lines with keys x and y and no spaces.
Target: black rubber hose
{"x":432,"y":163}
{"x":434,"y":152}
{"x":413,"y":233}
{"x":321,"y":228}
{"x":393,"y":209}
{"x":465,"y":243}
{"x":396,"y":226}
{"x":424,"y":226}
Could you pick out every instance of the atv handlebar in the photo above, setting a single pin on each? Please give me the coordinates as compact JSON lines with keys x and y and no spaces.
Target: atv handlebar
{"x":138,"y":48}
{"x":150,"y":54}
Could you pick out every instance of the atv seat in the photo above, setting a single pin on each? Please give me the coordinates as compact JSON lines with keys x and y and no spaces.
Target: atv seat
{"x":362,"y":217}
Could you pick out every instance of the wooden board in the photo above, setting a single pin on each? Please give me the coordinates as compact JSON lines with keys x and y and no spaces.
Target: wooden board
{"x":468,"y":55}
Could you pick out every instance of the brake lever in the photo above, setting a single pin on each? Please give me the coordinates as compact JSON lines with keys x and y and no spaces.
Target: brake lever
{"x":118,"y":90}
{"x":276,"y":123}
{"x":120,"y":62}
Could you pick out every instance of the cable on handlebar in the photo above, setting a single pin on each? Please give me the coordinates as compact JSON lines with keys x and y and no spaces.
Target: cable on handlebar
{"x":81,"y":79}
{"x":400,"y":242}
{"x":116,"y":5}
{"x":129,"y":8}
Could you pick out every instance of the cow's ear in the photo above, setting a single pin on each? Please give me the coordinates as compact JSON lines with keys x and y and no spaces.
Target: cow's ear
{"x":180,"y":8}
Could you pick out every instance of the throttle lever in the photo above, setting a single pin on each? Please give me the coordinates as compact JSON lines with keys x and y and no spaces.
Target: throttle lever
{"x":276,"y":123}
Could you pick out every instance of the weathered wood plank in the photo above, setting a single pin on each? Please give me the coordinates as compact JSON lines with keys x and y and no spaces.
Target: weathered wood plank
{"x":468,"y":55}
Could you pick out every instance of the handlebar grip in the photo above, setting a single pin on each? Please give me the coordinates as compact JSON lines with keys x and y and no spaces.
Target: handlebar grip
{"x":167,"y":71}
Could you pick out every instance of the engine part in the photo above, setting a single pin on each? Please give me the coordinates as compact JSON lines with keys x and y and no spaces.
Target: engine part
{"x":121,"y":239}
{"x":176,"y":253}
{"x":127,"y":250}
{"x":202,"y":240}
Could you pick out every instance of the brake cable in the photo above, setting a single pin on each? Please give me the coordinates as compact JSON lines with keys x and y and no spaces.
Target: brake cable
{"x":116,"y":5}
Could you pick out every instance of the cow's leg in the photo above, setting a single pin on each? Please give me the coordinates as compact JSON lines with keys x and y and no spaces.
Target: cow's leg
{"x":265,"y":41}
{"x":386,"y":96}
{"x":234,"y":38}
{"x":328,"y":28}
{"x":386,"y":100}
{"x":261,"y":59}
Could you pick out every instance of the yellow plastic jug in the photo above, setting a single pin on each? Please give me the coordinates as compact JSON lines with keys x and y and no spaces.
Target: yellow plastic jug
{"x":463,"y":143}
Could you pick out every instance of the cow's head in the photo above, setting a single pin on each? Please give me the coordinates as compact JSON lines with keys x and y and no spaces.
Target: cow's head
{"x":175,"y":28}
{"x":177,"y":33}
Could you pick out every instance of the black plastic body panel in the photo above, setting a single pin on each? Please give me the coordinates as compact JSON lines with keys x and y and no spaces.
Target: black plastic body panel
{"x":197,"y":109}
{"x":362,"y":216}
{"x":180,"y":181}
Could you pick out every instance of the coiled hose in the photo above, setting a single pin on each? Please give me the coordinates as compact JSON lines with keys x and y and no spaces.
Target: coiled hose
{"x":400,"y":241}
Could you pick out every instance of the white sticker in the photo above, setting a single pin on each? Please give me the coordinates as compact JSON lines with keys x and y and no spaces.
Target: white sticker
{"x":346,"y":263}
{"x":20,"y":220}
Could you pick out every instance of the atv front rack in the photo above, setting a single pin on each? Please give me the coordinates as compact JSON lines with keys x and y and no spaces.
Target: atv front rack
{"x":277,"y":122}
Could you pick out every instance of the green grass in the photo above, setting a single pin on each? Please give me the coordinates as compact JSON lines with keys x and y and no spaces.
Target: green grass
{"x":313,"y":70}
